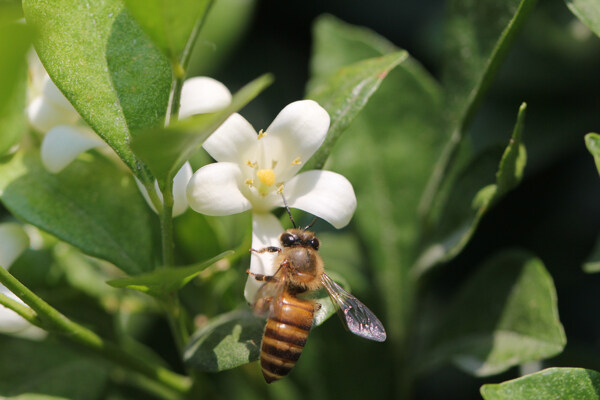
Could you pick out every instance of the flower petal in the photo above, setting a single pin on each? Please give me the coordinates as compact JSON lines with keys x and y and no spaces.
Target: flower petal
{"x":215,"y":190}
{"x":295,"y":134}
{"x":13,"y":242}
{"x":180,"y":181}
{"x":201,"y":94}
{"x":233,"y":141}
{"x":63,"y":143}
{"x":180,"y":203}
{"x":265,"y":232}
{"x":44,"y":115}
{"x":325,"y":194}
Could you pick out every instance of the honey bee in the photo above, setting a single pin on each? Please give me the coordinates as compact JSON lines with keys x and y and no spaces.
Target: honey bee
{"x":289,"y":315}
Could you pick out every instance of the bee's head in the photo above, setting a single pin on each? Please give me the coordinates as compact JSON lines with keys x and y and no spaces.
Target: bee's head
{"x":299,"y":237}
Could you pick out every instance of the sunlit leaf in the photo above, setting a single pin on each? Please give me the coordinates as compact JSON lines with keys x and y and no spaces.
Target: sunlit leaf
{"x":588,"y":12}
{"x":165,"y":280}
{"x":226,"y":342}
{"x":345,"y":93}
{"x":472,"y":195}
{"x":105,"y":65}
{"x":93,"y":205}
{"x":165,"y":150}
{"x":15,"y":40}
{"x":551,"y":383}
{"x":48,"y":370}
{"x":504,"y":316}
{"x":592,"y":141}
{"x":169,"y":23}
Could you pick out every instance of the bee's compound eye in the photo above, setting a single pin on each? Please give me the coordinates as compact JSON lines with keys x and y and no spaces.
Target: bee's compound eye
{"x":314,"y":243}
{"x":287,"y":239}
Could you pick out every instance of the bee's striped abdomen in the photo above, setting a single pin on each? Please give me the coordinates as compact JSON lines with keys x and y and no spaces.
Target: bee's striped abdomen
{"x":285,"y":336}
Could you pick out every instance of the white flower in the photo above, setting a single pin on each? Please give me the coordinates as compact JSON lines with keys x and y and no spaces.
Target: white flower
{"x":13,"y":242}
{"x":253,"y":170}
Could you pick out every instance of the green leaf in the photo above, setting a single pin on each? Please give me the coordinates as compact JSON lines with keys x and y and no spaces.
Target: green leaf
{"x":478,"y":35}
{"x":226,"y":342}
{"x":588,"y":12}
{"x":15,"y":40}
{"x":169,"y":23}
{"x":593,"y":262}
{"x":505,"y":315}
{"x":550,"y":383}
{"x":165,"y":150}
{"x":471,"y":196}
{"x":165,"y":280}
{"x":345,"y":93}
{"x":592,"y":141}
{"x":93,"y":205}
{"x":399,"y":136}
{"x":48,"y":370}
{"x":105,"y":65}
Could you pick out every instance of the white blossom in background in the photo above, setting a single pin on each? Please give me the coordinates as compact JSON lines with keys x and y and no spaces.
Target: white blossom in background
{"x":13,"y":242}
{"x":254,"y":169}
{"x":199,"y":95}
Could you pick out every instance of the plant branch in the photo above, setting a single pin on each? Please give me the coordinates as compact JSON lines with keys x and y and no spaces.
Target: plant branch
{"x":53,"y":321}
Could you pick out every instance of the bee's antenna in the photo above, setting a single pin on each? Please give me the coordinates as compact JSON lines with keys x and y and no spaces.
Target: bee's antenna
{"x":311,"y":223}
{"x":288,"y":210}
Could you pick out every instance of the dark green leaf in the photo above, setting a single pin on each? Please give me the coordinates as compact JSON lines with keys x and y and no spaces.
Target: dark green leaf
{"x":472,"y":195}
{"x":169,"y":23}
{"x":345,"y":93}
{"x":165,"y":150}
{"x":551,"y":383}
{"x":593,"y":262}
{"x":93,"y":205}
{"x":105,"y":65}
{"x":592,"y":141}
{"x":504,"y":316}
{"x":388,"y":154}
{"x":477,"y":37}
{"x":165,"y":280}
{"x":15,"y":40}
{"x":48,"y":370}
{"x":588,"y":12}
{"x":226,"y":342}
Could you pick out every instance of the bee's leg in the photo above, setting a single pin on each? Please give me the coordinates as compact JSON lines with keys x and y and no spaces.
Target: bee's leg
{"x":270,"y":249}
{"x":317,"y":306}
{"x":261,"y":277}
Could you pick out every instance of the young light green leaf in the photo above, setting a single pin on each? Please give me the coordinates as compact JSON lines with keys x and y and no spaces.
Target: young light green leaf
{"x":588,"y":12}
{"x":13,"y":77}
{"x":504,"y":316}
{"x":169,"y":23}
{"x":472,"y":195}
{"x":592,"y":141}
{"x":593,"y":262}
{"x":550,"y":383}
{"x":49,"y":370}
{"x":165,"y":150}
{"x":345,"y":93}
{"x":226,"y":342}
{"x":93,"y":205}
{"x":105,"y":65}
{"x":163,"y":281}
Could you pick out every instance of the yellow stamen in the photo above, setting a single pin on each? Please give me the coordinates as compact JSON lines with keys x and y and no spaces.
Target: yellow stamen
{"x":261,"y":134}
{"x":279,"y":188}
{"x":266,"y":176}
{"x":251,"y":164}
{"x":297,"y":161}
{"x":249,"y":182}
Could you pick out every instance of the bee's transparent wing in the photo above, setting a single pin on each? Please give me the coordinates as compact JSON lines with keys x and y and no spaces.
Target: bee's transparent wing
{"x":355,"y":315}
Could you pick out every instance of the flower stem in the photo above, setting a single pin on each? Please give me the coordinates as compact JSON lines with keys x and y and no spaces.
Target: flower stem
{"x":53,"y":321}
